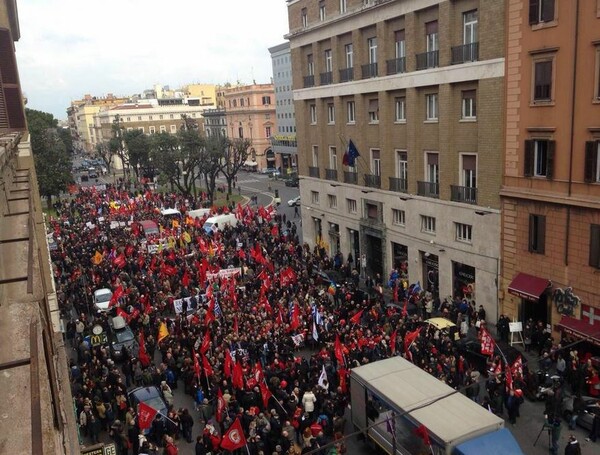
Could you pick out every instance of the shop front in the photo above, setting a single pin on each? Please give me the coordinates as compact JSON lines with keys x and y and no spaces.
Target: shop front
{"x":533,"y":292}
{"x":431,"y":273}
{"x":400,"y":259}
{"x":334,"y":238}
{"x":463,"y":281}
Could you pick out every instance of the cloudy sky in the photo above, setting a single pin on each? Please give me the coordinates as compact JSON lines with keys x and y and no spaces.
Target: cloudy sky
{"x":72,"y":47}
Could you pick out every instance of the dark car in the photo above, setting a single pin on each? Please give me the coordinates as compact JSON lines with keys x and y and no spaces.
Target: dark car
{"x":151,"y":396}
{"x":586,"y":418}
{"x":293,"y":181}
{"x":470,"y":348}
{"x":121,"y":337}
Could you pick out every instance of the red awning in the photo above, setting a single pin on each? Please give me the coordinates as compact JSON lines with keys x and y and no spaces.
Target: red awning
{"x":580,"y":329}
{"x":528,"y":287}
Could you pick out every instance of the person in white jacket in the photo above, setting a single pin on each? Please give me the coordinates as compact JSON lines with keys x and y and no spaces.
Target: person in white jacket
{"x":308,"y":401}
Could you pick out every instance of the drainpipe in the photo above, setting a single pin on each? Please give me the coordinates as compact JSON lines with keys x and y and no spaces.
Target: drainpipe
{"x":572,"y":148}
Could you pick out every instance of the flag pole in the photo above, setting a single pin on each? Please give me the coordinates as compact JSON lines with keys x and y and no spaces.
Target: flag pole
{"x":247,"y":449}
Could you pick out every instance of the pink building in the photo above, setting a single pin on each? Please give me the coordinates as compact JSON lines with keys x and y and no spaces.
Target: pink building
{"x":250,"y":111}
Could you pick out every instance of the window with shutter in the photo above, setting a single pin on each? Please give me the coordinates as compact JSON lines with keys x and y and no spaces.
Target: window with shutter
{"x":537,"y":233}
{"x":12,"y":113}
{"x":543,"y":81}
{"x":528,"y":158}
{"x":591,"y":171}
{"x":534,"y":7}
{"x":550,"y":159}
{"x":595,"y":245}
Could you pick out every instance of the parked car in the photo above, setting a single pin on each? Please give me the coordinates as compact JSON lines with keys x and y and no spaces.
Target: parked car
{"x":470,"y":348}
{"x":294,"y":202}
{"x":121,"y":337}
{"x":151,"y":396}
{"x":586,"y":418}
{"x":268,"y":170}
{"x":293,"y":182}
{"x":102,"y":299}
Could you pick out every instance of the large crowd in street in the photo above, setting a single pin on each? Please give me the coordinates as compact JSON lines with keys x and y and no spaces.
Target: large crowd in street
{"x":269,"y":343}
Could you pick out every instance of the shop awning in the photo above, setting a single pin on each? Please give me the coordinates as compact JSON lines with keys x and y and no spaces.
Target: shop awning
{"x":528,"y":287}
{"x":580,"y":329}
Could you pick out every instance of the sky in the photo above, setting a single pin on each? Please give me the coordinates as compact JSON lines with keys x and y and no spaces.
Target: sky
{"x":69,"y":48}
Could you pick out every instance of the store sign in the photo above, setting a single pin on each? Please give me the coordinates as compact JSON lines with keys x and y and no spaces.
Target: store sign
{"x":565,"y":301}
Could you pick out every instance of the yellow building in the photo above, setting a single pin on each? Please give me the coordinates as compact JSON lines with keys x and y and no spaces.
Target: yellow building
{"x":207,"y":93}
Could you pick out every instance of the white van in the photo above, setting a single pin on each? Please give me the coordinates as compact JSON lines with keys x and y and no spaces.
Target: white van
{"x":198,"y":213}
{"x":102,"y":299}
{"x":214,"y":223}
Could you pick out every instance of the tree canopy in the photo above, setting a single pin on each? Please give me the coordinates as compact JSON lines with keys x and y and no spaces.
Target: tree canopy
{"x":51,"y":153}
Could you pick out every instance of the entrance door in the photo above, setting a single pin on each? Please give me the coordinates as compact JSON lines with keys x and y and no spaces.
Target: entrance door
{"x":538,"y":311}
{"x":374,"y":255}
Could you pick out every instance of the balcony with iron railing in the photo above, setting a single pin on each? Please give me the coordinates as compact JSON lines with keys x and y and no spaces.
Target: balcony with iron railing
{"x":313,"y":171}
{"x":309,"y":81}
{"x":399,"y":185}
{"x":465,"y":53}
{"x":427,"y":60}
{"x":396,"y":66}
{"x":369,"y":70}
{"x":331,"y":174}
{"x":346,"y":74}
{"x":466,"y":194}
{"x":372,"y":180}
{"x":326,"y":78}
{"x":351,"y":177}
{"x":428,"y":189}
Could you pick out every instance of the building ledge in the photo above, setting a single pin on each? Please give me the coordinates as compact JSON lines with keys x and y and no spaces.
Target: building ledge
{"x":531,"y":194}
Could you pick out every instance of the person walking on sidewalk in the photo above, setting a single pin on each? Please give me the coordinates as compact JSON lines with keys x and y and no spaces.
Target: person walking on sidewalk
{"x":573,"y":447}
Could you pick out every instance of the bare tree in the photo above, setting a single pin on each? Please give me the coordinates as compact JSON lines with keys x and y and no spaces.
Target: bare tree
{"x":236,"y":155}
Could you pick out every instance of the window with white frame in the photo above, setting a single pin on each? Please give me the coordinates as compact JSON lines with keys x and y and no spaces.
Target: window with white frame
{"x":372,"y":45}
{"x":376,"y":162}
{"x":432,"y":170}
{"x":400,"y":44}
{"x":469,"y":171}
{"x":310,"y":65}
{"x":314,"y":197}
{"x":464,"y":232}
{"x":398,"y":217}
{"x":304,"y":14}
{"x":470,"y":27}
{"x":402,"y":164}
{"x":313,"y":114}
{"x":130,"y":128}
{"x":330,"y":113}
{"x":171,"y":116}
{"x":315,"y":156}
{"x":428,"y":224}
{"x":333,"y":158}
{"x":350,"y":112}
{"x":139,"y":118}
{"x":163,"y":129}
{"x":400,"y":109}
{"x":349,"y":52}
{"x":160,"y":117}
{"x":343,"y":6}
{"x":431,"y":36}
{"x":322,"y":14}
{"x":267,"y":131}
{"x":152,"y":129}
{"x":373,"y":111}
{"x":173,"y":128}
{"x":141,"y":128}
{"x":328,"y":61}
{"x":332,"y":200}
{"x":351,"y":205}
{"x":431,"y":100}
{"x":469,"y":104}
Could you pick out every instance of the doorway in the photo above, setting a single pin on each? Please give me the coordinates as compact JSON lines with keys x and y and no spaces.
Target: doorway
{"x":375,"y":255}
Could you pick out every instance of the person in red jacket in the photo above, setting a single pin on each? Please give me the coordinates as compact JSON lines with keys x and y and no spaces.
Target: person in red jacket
{"x":170,"y":447}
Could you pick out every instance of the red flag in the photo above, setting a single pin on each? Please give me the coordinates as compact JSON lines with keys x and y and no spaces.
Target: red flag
{"x":517,"y":367}
{"x":234,"y":438}
{"x":142,"y":354}
{"x":356,"y":318}
{"x":421,"y":432}
{"x":265,"y":393}
{"x":487,"y":342}
{"x":119,"y":261}
{"x":393,"y":341}
{"x":121,"y":312}
{"x":259,"y":374}
{"x":509,"y":380}
{"x":238,"y":376}
{"x":338,"y":350}
{"x":119,"y":292}
{"x":210,"y":314}
{"x":343,"y":383}
{"x":410,"y":337}
{"x":185,"y":280}
{"x":196,"y":367}
{"x":295,"y":322}
{"x":146,"y":415}
{"x":208,"y":371}
{"x":227,"y":364}
{"x":205,"y":343}
{"x":221,"y":405}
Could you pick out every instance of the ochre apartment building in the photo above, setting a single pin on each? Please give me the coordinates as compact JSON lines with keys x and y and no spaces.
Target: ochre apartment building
{"x":418,"y":87}
{"x":551,"y":189}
